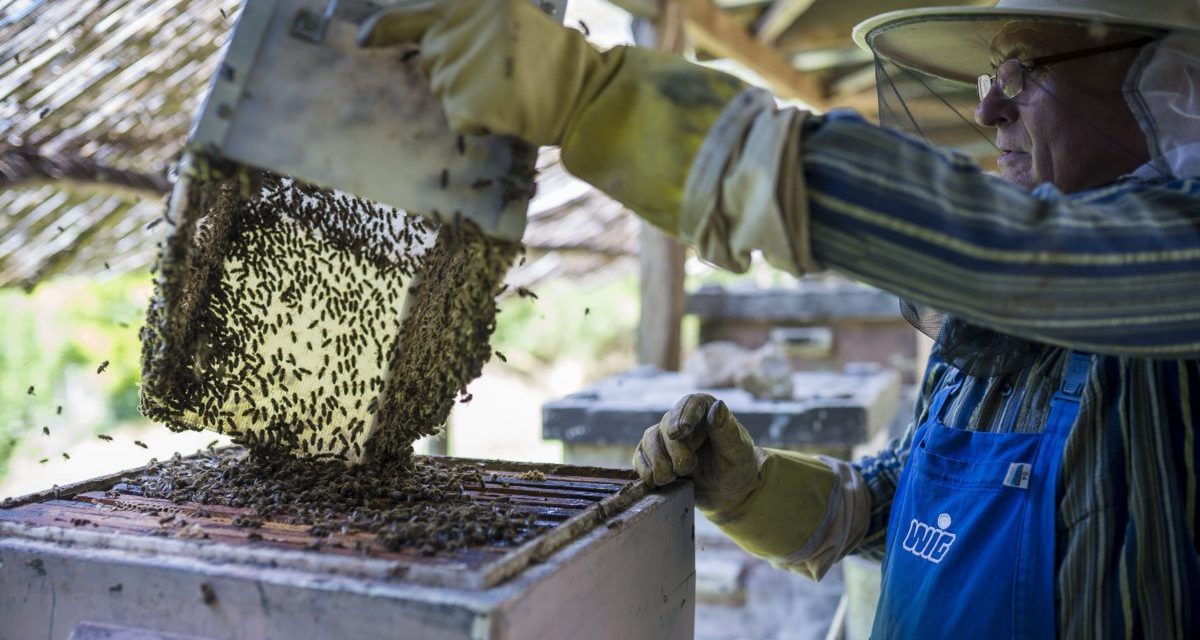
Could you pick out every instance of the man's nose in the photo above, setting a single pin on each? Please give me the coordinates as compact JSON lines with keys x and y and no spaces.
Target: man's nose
{"x":994,"y":109}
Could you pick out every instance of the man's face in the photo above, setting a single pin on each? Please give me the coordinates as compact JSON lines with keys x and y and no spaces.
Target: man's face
{"x":1070,"y":125}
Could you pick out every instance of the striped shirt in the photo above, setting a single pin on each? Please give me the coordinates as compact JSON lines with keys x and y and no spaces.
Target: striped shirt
{"x":1113,"y":271}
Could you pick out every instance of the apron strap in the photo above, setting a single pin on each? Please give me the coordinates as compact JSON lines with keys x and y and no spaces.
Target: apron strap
{"x":949,"y":388}
{"x":1035,"y":616}
{"x":1064,"y":406}
{"x":1075,"y":377}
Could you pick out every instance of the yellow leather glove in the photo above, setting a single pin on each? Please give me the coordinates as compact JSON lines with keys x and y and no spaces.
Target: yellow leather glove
{"x":770,"y":502}
{"x":630,"y":121}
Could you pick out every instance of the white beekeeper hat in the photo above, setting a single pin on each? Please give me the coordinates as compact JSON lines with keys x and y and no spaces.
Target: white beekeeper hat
{"x":956,"y":42}
{"x":928,"y":60}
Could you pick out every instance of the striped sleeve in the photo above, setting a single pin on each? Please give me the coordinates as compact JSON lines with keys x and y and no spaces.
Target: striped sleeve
{"x":1114,"y":270}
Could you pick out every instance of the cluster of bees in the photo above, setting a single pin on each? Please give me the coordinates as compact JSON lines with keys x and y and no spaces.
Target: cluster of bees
{"x":444,"y":341}
{"x":317,"y":329}
{"x":420,"y":507}
{"x":291,"y":318}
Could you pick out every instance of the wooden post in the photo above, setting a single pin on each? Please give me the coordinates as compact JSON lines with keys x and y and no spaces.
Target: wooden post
{"x":662,"y":260}
{"x":661,"y":257}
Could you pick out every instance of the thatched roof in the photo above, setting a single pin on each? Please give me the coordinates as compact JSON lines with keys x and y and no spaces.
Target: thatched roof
{"x":95,"y":101}
{"x":96,"y":98}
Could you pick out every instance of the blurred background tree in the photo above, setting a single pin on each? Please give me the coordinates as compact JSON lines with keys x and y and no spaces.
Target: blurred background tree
{"x":55,"y":341}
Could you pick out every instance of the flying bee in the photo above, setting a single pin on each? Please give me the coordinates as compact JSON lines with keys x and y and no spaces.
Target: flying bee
{"x":207,"y":594}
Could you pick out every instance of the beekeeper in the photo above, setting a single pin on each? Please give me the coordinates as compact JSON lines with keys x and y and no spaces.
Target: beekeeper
{"x":1048,"y":482}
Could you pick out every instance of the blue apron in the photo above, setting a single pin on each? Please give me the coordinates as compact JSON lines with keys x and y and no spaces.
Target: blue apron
{"x":970,"y":541}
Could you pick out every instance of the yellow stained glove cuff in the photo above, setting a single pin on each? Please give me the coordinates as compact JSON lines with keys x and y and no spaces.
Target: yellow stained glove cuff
{"x":637,"y":137}
{"x":781,"y":515}
{"x":502,"y":66}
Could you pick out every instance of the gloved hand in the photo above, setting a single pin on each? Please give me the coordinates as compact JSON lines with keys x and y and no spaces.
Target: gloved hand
{"x":699,"y":438}
{"x":690,"y":149}
{"x":801,"y":512}
{"x":499,"y":66}
{"x":630,"y":120}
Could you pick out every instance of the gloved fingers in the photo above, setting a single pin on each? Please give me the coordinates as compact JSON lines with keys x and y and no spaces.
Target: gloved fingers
{"x":403,"y":22}
{"x":644,"y":466}
{"x":687,"y":420}
{"x":724,"y":431}
{"x":652,"y":461}
{"x":682,"y":455}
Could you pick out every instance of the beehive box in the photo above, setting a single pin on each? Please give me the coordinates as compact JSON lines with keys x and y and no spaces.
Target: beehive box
{"x":613,"y":562}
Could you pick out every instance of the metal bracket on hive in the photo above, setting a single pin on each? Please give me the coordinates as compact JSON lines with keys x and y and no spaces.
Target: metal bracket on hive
{"x":297,"y":96}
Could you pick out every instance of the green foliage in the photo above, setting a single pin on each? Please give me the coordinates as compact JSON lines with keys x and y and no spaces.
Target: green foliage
{"x":55,"y":340}
{"x":19,"y":371}
{"x":595,"y":324}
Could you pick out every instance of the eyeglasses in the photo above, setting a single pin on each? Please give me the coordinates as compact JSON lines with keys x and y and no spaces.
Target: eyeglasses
{"x":1010,"y":74}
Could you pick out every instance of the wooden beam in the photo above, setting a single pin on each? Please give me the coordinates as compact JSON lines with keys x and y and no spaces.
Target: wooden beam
{"x":711,"y":29}
{"x":778,"y":17}
{"x":866,"y":103}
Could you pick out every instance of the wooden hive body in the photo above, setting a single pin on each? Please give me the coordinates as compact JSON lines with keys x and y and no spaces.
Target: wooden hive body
{"x":618,"y":563}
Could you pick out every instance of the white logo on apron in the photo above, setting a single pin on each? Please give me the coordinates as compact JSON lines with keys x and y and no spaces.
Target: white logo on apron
{"x":927,"y":541}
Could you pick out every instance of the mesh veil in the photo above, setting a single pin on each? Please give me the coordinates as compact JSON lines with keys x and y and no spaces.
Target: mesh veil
{"x":941,"y":111}
{"x":1163,"y":89}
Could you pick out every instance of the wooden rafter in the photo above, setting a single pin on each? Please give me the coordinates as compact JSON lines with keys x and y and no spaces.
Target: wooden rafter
{"x":778,"y":17}
{"x":711,"y":29}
